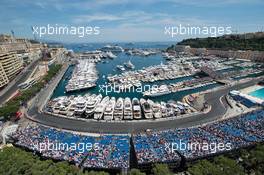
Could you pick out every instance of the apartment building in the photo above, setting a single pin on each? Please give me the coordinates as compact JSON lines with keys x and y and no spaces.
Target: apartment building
{"x":3,"y":77}
{"x":11,"y":64}
{"x":25,"y":49}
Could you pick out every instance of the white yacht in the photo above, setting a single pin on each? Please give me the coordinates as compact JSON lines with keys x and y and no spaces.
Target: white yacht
{"x":93,"y":101}
{"x":129,"y":65}
{"x":146,"y":107}
{"x":128,"y":109}
{"x":136,"y":109}
{"x":112,"y":48}
{"x":71,"y":109}
{"x":162,"y":90}
{"x":99,"y":109}
{"x":119,"y":109}
{"x":63,"y":110}
{"x":156,"y":108}
{"x":164,"y":113}
{"x":80,"y":106}
{"x":120,"y":67}
{"x":110,"y":55}
{"x":84,"y":76}
{"x":109,"y":110}
{"x":56,"y":108}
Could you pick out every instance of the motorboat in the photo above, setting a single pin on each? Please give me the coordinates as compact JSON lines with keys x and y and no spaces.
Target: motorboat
{"x":136,"y":109}
{"x":156,"y":108}
{"x":164,"y":111}
{"x":112,"y":48}
{"x":119,"y":109}
{"x":129,"y":65}
{"x":162,"y":90}
{"x":109,"y":109}
{"x":80,"y":106}
{"x":110,"y":55}
{"x":71,"y":109}
{"x":146,"y":108}
{"x":120,"y":67}
{"x":128,"y":112}
{"x":100,"y":108}
{"x":91,"y":104}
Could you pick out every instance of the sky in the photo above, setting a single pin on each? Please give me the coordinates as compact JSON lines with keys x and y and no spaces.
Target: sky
{"x":128,"y":20}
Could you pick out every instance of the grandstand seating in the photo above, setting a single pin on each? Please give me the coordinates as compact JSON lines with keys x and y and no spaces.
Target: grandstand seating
{"x":240,"y":131}
{"x":114,"y":151}
{"x":107,"y":151}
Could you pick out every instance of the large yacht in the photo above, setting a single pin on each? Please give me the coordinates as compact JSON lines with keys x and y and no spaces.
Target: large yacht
{"x":128,"y":114}
{"x":109,"y":110}
{"x":80,"y":106}
{"x":100,"y":108}
{"x":162,"y":90}
{"x":146,"y":107}
{"x":84,"y":76}
{"x":156,"y":108}
{"x":164,"y":111}
{"x":90,"y":106}
{"x":71,"y":109}
{"x":136,"y":109}
{"x":119,"y":109}
{"x":110,"y":55}
{"x":111,"y":48}
{"x":129,"y":65}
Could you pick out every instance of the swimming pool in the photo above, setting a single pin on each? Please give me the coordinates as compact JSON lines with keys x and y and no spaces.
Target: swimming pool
{"x":258,"y":93}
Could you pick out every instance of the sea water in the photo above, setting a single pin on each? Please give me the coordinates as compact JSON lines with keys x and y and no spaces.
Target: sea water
{"x":109,"y":67}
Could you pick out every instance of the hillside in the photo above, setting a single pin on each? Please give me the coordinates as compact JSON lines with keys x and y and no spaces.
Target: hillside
{"x":249,"y":41}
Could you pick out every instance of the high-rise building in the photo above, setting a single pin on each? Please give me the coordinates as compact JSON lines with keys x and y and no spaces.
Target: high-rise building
{"x":3,"y":77}
{"x":11,"y":64}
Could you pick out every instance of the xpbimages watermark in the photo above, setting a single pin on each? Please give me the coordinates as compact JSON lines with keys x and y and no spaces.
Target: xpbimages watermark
{"x":81,"y":147}
{"x":79,"y":31}
{"x":213,"y":31}
{"x":195,"y":146}
{"x":117,"y":88}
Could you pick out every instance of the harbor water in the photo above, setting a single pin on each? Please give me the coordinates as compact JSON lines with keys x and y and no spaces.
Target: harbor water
{"x":108,"y":67}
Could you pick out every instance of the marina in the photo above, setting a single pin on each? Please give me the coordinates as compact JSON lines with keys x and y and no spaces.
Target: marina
{"x":178,"y":87}
{"x":126,"y":73}
{"x":132,"y":87}
{"x":91,"y":106}
{"x":84,"y":76}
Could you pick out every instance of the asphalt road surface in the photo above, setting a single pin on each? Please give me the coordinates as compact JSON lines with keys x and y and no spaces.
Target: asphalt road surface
{"x":218,"y":109}
{"x":21,"y":78}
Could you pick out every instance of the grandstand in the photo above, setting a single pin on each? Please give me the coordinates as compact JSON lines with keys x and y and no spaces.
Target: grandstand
{"x":242,"y":131}
{"x":107,"y":151}
{"x":113,"y":151}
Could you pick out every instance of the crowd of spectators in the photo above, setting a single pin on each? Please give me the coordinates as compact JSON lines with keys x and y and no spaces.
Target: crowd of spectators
{"x":113,"y":151}
{"x":104,"y":151}
{"x":202,"y":141}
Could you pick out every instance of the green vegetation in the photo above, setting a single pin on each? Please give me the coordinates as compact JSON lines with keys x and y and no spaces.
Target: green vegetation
{"x":221,"y":165}
{"x":233,"y":42}
{"x":11,"y":107}
{"x":240,"y":163}
{"x":160,"y":169}
{"x":15,"y":161}
{"x":136,"y":172}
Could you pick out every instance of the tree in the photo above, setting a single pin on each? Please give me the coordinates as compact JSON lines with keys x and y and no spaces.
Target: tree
{"x":161,"y":169}
{"x":136,"y":172}
{"x":204,"y":167}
